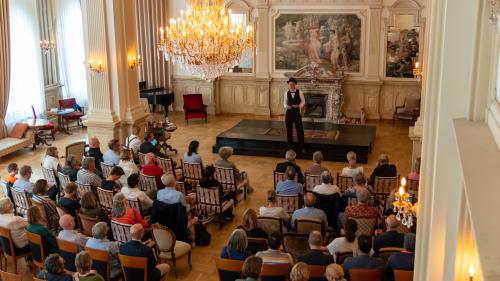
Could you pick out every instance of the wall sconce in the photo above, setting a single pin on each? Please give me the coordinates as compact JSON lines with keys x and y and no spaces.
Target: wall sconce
{"x":47,"y":45}
{"x":95,"y":68}
{"x":133,"y":62}
{"x":417,"y":71}
{"x":472,"y":272}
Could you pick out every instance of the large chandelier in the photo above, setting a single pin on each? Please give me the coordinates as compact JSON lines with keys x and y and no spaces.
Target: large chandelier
{"x":403,"y":207}
{"x":204,"y":40}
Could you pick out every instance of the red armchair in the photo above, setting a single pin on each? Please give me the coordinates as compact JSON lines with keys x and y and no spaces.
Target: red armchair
{"x":73,"y":116}
{"x":194,"y":107}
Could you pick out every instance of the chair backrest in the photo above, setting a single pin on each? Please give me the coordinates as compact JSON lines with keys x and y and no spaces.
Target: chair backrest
{"x":7,"y":242}
{"x":40,"y":207}
{"x":134,"y":268}
{"x":411,"y":103}
{"x":256,"y":245}
{"x":36,"y":248}
{"x":134,"y":204}
{"x":307,"y":225}
{"x":366,"y":274}
{"x":163,"y":237}
{"x":82,"y":188}
{"x":67,"y":103}
{"x":147,"y":183}
{"x":226,"y":177}
{"x":121,"y":231}
{"x":344,"y":182}
{"x":341,"y":256}
{"x":385,"y":253}
{"x":412,"y":185}
{"x":63,"y":179}
{"x":105,"y":198}
{"x":385,"y":184}
{"x":275,"y":272}
{"x":311,"y":181}
{"x":60,"y":210}
{"x":317,"y":272}
{"x":106,"y":169}
{"x":86,"y":224}
{"x":77,"y":149}
{"x":21,"y":202}
{"x":49,"y":175}
{"x":296,"y":244}
{"x":167,"y":164}
{"x":228,"y":270}
{"x":271,"y":224}
{"x":209,"y":199}
{"x":100,"y":262}
{"x":193,"y":101}
{"x":142,"y":158}
{"x":68,"y":251}
{"x":366,"y":225}
{"x":193,"y":172}
{"x":181,"y":187}
{"x":5,"y":188}
{"x":10,"y":276}
{"x":278,"y":177}
{"x":403,"y":275}
{"x":289,"y":203}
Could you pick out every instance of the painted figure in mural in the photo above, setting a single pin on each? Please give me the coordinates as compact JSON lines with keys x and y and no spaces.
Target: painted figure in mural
{"x":331,"y":48}
{"x":299,"y":30}
{"x":288,"y":29}
{"x":314,"y":48}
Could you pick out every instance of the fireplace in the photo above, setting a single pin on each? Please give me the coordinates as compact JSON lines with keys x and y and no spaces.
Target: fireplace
{"x":315,"y":106}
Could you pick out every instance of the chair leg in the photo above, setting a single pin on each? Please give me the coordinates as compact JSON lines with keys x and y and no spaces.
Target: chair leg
{"x":189,"y":260}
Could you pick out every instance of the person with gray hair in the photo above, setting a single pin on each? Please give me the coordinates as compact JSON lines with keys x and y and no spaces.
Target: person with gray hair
{"x":122,"y":214}
{"x":353,"y":167}
{"x":326,"y":187}
{"x":169,"y":194}
{"x":309,"y":211}
{"x":362,"y":208}
{"x":290,"y":156}
{"x":100,"y":242}
{"x":317,"y":255}
{"x":16,"y":225}
{"x":23,"y":183}
{"x":241,"y":177}
{"x":236,"y":248}
{"x":289,"y":186}
{"x":383,"y":169}
{"x":402,"y":261}
{"x":71,"y":167}
{"x":54,"y":269}
{"x":87,"y":174}
{"x":316,"y":168}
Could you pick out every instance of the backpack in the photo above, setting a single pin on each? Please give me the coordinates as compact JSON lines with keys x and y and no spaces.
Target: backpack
{"x":201,"y":235}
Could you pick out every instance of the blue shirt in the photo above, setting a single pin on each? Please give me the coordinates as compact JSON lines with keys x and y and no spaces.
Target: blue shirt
{"x":113,"y":250}
{"x":225,"y":253}
{"x":170,"y":195}
{"x":111,"y":158}
{"x":309,"y":212}
{"x":289,"y":187}
{"x":23,"y":185}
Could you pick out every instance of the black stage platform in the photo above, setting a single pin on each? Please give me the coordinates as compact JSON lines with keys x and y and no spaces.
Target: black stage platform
{"x":268,"y":138}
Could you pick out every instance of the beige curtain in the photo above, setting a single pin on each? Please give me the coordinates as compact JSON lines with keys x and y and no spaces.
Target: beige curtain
{"x":4,"y":64}
{"x":150,"y":15}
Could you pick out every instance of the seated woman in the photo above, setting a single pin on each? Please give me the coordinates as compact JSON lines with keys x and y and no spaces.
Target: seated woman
{"x":35,"y":225}
{"x":209,"y":181}
{"x":71,"y":167}
{"x":100,"y":242}
{"x":241,"y":177}
{"x":83,"y":263}
{"x":54,"y":269}
{"x":236,"y":246}
{"x":353,"y":167}
{"x":128,"y":166}
{"x":250,"y":225}
{"x":192,"y":155}
{"x":39,"y":190}
{"x":70,"y":201}
{"x":348,"y":242}
{"x":120,"y":213}
{"x":51,"y":159}
{"x":90,"y":208}
{"x":334,"y":272}
{"x":272,"y":210}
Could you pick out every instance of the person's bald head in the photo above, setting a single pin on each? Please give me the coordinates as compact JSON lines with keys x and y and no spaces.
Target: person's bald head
{"x":94,"y":142}
{"x":136,"y":231}
{"x":150,"y":158}
{"x":383,"y":159}
{"x":392,"y":223}
{"x":67,"y":222}
{"x":168,"y":180}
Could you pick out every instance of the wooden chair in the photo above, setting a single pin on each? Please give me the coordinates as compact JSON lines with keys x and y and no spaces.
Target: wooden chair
{"x":36,"y":248}
{"x":8,"y":249}
{"x":340,"y":257}
{"x":6,"y":188}
{"x":142,"y":158}
{"x":193,"y":172}
{"x":311,"y":181}
{"x":275,"y":272}
{"x":409,"y":111}
{"x":63,"y":180}
{"x":86,"y":224}
{"x":105,"y":198}
{"x":366,"y":225}
{"x":278,"y":177}
{"x":100,"y":262}
{"x":147,"y":183}
{"x":366,"y":274}
{"x":106,"y":169}
{"x":385,"y":184}
{"x":385,"y":253}
{"x":181,"y":187}
{"x":256,"y":245}
{"x":167,"y":164}
{"x":121,"y":231}
{"x":228,"y":270}
{"x":10,"y":276}
{"x":296,"y":244}
{"x":210,"y":202}
{"x":403,"y":275}
{"x":289,"y":203}
{"x":135,"y":204}
{"x":50,"y":176}
{"x":36,"y":279}
{"x":344,"y":182}
{"x":68,"y":251}
{"x":82,"y":188}
{"x":134,"y":268}
{"x":307,"y":225}
{"x":317,"y":272}
{"x":228,"y":180}
{"x":169,"y":248}
{"x":77,"y":149}
{"x":21,"y":202}
{"x":60,"y":210}
{"x":271,"y":224}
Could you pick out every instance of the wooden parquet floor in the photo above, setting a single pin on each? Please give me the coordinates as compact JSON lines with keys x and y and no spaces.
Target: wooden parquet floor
{"x":391,"y":140}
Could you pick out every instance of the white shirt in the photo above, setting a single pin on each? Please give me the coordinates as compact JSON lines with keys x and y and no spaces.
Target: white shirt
{"x":50,"y":162}
{"x":16,"y":225}
{"x":194,"y":158}
{"x":137,"y":194}
{"x":326,"y":189}
{"x":276,"y":212}
{"x":110,"y":157}
{"x":73,"y":236}
{"x":349,"y":172}
{"x":129,"y":168}
{"x":302,"y":99}
{"x":341,"y":244}
{"x":133,"y":142}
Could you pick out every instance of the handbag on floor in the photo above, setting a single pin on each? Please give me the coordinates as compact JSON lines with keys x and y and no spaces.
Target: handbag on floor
{"x":201,"y":235}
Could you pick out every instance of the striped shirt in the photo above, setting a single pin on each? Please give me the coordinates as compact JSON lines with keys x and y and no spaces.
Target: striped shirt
{"x":87,"y":177}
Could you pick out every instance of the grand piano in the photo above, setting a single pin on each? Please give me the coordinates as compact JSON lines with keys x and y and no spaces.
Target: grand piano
{"x":156,"y":96}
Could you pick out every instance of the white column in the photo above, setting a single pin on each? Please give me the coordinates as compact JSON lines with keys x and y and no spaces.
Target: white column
{"x":262,"y":40}
{"x":373,"y":55}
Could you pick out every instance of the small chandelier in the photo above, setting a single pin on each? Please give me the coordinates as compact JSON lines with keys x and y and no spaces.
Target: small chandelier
{"x":403,"y":207}
{"x":47,"y":45}
{"x":204,"y":40}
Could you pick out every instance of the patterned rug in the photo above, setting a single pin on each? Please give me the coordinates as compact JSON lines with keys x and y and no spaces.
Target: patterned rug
{"x":308,"y":134}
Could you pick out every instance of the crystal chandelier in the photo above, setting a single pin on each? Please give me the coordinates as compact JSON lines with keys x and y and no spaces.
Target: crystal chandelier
{"x":204,"y":40}
{"x":403,"y":207}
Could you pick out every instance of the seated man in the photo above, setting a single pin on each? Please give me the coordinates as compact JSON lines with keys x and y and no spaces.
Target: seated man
{"x":70,"y":201}
{"x":289,"y":186}
{"x":112,"y":156}
{"x":12,"y":169}
{"x":391,"y":238}
{"x":241,"y":177}
{"x":290,"y":161}
{"x":136,"y":248}
{"x":316,"y":168}
{"x":272,"y":209}
{"x":169,"y":195}
{"x":68,"y":232}
{"x":383,"y":169}
{"x":23,"y":183}
{"x":326,"y":187}
{"x":112,"y":182}
{"x":401,"y":261}
{"x":95,"y":152}
{"x":362,"y":207}
{"x":150,"y":145}
{"x":133,"y":142}
{"x":363,"y":259}
{"x":16,"y":225}
{"x":87,"y":174}
{"x":274,"y":255}
{"x":152,"y":169}
{"x":71,"y":167}
{"x":309,"y":212}
{"x":317,"y":255}
{"x":133,"y":192}
{"x":54,"y":269}
{"x":100,"y":242}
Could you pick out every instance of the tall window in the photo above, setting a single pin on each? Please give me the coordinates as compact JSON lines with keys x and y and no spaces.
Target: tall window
{"x":26,"y":77}
{"x":245,"y":63}
{"x":70,"y":49}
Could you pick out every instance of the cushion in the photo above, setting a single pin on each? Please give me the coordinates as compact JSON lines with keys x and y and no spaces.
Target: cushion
{"x":180,"y":249}
{"x":18,"y":130}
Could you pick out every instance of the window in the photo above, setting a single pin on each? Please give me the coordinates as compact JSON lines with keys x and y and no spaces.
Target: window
{"x":245,"y":63}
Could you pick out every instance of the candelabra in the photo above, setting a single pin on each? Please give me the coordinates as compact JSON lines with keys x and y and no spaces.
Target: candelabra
{"x":417,"y":71}
{"x":96,"y":68}
{"x":47,"y":45}
{"x":403,"y":207}
{"x":135,"y":61}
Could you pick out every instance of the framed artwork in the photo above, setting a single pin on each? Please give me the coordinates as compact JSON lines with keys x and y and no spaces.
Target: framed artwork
{"x":403,"y":46}
{"x":301,"y":39}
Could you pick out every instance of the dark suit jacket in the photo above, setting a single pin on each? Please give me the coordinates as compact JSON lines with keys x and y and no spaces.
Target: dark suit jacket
{"x":388,"y":239}
{"x":362,"y":262}
{"x":281,"y":167}
{"x":386,"y":170}
{"x":147,"y":147}
{"x":399,"y":261}
{"x":97,"y":154}
{"x":316,"y":257}
{"x":330,"y":204}
{"x":173,"y":216}
{"x":137,"y":249}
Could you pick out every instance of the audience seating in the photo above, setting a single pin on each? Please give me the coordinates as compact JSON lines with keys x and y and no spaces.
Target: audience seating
{"x":21,"y":202}
{"x":76,"y":149}
{"x":169,"y":248}
{"x":105,"y":198}
{"x":82,"y":188}
{"x":289,"y":203}
{"x":317,"y":272}
{"x":106,"y":169}
{"x":366,"y":274}
{"x":50,"y":176}
{"x":134,"y":268}
{"x":210,"y":202}
{"x":275,"y":272}
{"x":142,"y":158}
{"x":344,"y":182}
{"x":136,"y":204}
{"x":8,"y":248}
{"x":63,"y":180}
{"x":227,"y":178}
{"x":385,"y":184}
{"x":296,"y":244}
{"x":403,"y":275}
{"x":385,"y":253}
{"x":366,"y":225}
{"x":257,"y":244}
{"x":278,"y":177}
{"x":147,"y":183}
{"x":6,"y":189}
{"x":194,"y":107}
{"x":72,"y":116}
{"x":36,"y":248}
{"x":193,"y":172}
{"x":100,"y":262}
{"x":330,"y":204}
{"x":307,"y":225}
{"x":167,"y":164}
{"x":10,"y":276}
{"x":228,"y":270}
{"x":341,"y":256}
{"x":311,"y":181}
{"x":43,"y":213}
{"x":86,"y":224}
{"x":271,"y":224}
{"x":68,"y":251}
{"x":181,"y":187}
{"x":121,"y":231}
{"x":60,"y":210}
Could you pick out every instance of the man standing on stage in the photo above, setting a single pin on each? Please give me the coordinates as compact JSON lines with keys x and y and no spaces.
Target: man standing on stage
{"x":294,"y":101}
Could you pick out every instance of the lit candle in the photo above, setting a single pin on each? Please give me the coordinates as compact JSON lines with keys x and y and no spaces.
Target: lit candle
{"x":472,"y":271}
{"x":403,"y":182}
{"x":401,"y":191}
{"x":416,"y":64}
